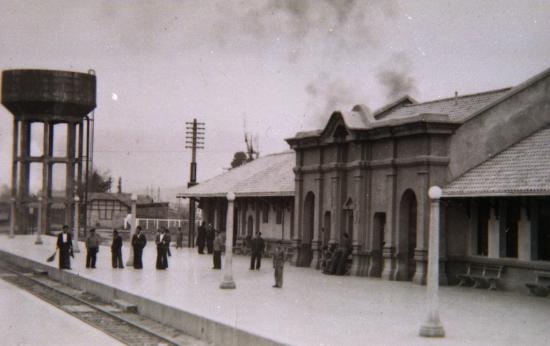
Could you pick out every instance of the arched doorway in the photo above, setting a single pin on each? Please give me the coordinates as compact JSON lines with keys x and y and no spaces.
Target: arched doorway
{"x":307,"y":230}
{"x":407,"y":236}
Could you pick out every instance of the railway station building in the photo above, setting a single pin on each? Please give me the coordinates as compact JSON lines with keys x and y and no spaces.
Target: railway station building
{"x":367,"y":174}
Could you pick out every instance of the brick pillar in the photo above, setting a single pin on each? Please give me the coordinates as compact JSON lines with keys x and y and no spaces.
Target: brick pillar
{"x":358,"y":222}
{"x":316,"y":240}
{"x":420,"y":252}
{"x":298,"y":222}
{"x":335,"y":211}
{"x":388,"y":252}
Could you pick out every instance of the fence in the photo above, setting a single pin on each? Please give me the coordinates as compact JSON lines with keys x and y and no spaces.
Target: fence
{"x":154,"y":224}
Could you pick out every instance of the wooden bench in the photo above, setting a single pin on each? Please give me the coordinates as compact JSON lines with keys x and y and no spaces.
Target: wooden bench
{"x":481,"y":275}
{"x":541,"y":286}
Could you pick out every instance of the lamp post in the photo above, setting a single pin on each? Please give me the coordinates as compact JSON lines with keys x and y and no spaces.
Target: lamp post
{"x":228,"y":281}
{"x":76,"y":224}
{"x":12,"y":217}
{"x":432,"y":327}
{"x":130,"y":261}
{"x":38,"y":240}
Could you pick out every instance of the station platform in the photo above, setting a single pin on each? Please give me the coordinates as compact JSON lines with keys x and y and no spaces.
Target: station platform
{"x":27,"y":320}
{"x":310,"y":309}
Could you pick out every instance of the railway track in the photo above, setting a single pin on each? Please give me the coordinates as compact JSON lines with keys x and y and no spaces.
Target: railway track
{"x":120,"y":321}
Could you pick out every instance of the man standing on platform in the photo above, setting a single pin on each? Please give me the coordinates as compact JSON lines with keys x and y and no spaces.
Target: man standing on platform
{"x":138,"y":243}
{"x":161,"y":250}
{"x":279,"y":264}
{"x":210,"y":235}
{"x":218,"y":248}
{"x":257,"y":248}
{"x":166,"y":243}
{"x":65,"y":246}
{"x":92,"y":248}
{"x":201,"y":238}
{"x":116,"y":250}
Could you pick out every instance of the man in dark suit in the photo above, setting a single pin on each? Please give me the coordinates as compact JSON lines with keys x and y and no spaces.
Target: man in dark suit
{"x":210,"y":235}
{"x":116,"y":250}
{"x":201,"y":237}
{"x":65,"y":246}
{"x":257,"y":248}
{"x":138,"y":243}
{"x":162,"y":249}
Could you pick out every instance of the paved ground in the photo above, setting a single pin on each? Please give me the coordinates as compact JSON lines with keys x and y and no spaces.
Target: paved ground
{"x":27,"y":320}
{"x":315,"y":309}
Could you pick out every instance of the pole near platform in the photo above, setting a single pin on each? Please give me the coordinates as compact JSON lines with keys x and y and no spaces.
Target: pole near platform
{"x":228,"y":282}
{"x":432,"y":327}
{"x":194,"y":140}
{"x":12,"y":217}
{"x":133,"y":226}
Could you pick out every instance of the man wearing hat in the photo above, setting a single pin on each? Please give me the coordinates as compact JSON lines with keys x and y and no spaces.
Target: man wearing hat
{"x":65,"y":246}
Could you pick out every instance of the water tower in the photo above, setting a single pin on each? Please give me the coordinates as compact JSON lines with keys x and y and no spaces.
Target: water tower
{"x":52,"y":98}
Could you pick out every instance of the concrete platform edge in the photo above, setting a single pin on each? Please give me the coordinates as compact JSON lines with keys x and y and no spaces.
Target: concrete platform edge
{"x":189,"y":323}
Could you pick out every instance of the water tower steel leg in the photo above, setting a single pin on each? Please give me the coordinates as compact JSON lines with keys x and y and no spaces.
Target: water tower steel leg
{"x":38,"y":240}
{"x":69,"y":182}
{"x":13,"y":217}
{"x":79,"y":172}
{"x":76,"y":249}
{"x":23,"y":193}
{"x":46,"y":171}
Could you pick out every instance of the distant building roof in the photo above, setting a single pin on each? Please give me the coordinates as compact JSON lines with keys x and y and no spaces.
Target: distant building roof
{"x":124,"y":198}
{"x":522,"y":169}
{"x":270,"y":175}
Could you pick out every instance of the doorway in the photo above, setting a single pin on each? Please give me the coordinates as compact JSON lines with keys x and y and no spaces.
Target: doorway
{"x":407,"y":236}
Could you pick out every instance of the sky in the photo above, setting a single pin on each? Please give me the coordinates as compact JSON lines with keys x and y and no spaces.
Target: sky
{"x":269,"y":68}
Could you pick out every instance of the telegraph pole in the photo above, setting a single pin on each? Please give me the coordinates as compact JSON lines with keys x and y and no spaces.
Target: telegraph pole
{"x":194,"y":139}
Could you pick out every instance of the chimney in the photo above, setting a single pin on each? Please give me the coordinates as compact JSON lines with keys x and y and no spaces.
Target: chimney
{"x":456,"y":98}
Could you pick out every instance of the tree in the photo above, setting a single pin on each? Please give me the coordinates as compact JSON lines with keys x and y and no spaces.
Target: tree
{"x":239,"y":159}
{"x":100,"y":181}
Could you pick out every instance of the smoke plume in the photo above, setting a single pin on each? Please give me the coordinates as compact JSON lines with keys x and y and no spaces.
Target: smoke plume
{"x":396,"y":77}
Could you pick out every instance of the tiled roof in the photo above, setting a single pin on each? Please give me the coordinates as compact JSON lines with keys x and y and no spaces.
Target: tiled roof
{"x":125,"y":198}
{"x":405,"y":109}
{"x":270,"y":175}
{"x":457,"y":108}
{"x":522,"y":169}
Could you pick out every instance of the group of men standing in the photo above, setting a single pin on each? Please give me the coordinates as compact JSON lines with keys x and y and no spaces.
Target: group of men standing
{"x":207,"y":235}
{"x":214,"y":241}
{"x":65,"y":247}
